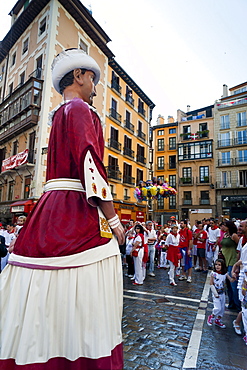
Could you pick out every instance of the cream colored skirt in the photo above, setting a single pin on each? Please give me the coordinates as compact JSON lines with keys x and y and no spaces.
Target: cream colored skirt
{"x":65,"y":312}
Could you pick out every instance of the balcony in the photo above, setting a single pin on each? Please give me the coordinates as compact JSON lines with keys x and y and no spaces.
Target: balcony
{"x":171,"y":147}
{"x":240,"y":141}
{"x":141,"y":159}
{"x":115,"y":85}
{"x":230,"y":103}
{"x":129,"y":152}
{"x":113,"y":114}
{"x":20,"y":110}
{"x":161,"y":148}
{"x":203,"y":180}
{"x":204,"y":201}
{"x":226,"y":162}
{"x":142,"y":111}
{"x":141,"y":135}
{"x":229,"y":185}
{"x":129,"y":126}
{"x":224,"y":143}
{"x":172,"y":166}
{"x":114,"y":144}
{"x":129,"y":99}
{"x":113,"y":173}
{"x":241,"y":161}
{"x":187,"y":202}
{"x":114,"y":195}
{"x":128,"y":180}
{"x":186,"y":181}
{"x":126,"y":197}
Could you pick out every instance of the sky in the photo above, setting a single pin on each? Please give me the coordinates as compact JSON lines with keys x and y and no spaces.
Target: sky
{"x":179,"y":52}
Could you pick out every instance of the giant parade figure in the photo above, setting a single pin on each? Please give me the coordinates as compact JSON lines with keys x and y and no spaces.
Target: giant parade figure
{"x":61,"y":293}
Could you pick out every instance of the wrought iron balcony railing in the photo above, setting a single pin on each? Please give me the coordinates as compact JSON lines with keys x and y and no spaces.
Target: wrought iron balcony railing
{"x":112,"y":143}
{"x":115,"y":115}
{"x":129,"y":125}
{"x":129,"y":152}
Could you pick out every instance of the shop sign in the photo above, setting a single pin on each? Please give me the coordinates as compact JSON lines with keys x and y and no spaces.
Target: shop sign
{"x":233,"y":198}
{"x":15,"y":161}
{"x":201,"y":210}
{"x":125,"y":218}
{"x":140,"y":216}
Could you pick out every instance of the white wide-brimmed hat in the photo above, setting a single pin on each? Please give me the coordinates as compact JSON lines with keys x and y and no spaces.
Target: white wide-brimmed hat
{"x":68,"y":60}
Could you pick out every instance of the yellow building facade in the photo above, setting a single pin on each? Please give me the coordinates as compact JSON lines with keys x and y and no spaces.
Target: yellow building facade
{"x":128,"y":116}
{"x":40,"y":30}
{"x":165,"y":166}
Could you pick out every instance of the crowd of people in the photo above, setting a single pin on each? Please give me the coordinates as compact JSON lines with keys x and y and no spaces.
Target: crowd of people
{"x":181,"y":248}
{"x":8,"y":235}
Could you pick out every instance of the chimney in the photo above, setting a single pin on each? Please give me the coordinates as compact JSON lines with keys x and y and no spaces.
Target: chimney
{"x":160,"y":120}
{"x":188,"y":108}
{"x":225,"y":91}
{"x":170,"y":119}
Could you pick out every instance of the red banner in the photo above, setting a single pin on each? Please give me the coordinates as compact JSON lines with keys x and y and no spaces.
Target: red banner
{"x":15,"y":161}
{"x":140,"y":216}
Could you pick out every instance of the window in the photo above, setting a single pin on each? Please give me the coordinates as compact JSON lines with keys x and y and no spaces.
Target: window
{"x":172,"y":181}
{"x":160,"y":203}
{"x":225,"y":178}
{"x":225,"y":156}
{"x":114,"y":105}
{"x":187,"y":175}
{"x":13,"y":59}
{"x":195,"y":150}
{"x":22,"y":78}
{"x":141,"y":107}
{"x":172,"y":161}
{"x":160,"y":132}
{"x":203,"y":128}
{"x":172,"y":131}
{"x":139,"y":126}
{"x":187,"y":198}
{"x":25,"y":46}
{"x":127,"y":175}
{"x":204,"y":174}
{"x":161,"y":144}
{"x":160,"y":162}
{"x":172,"y":143}
{"x":205,"y":150}
{"x":225,"y":139}
{"x":15,"y":147}
{"x":204,"y":199}
{"x":31,"y":147}
{"x":128,"y":96}
{"x":242,"y":137}
{"x":241,"y":119}
{"x":186,"y":132}
{"x":242,"y":156}
{"x":161,"y":178}
{"x":83,"y":46}
{"x":2,"y":156}
{"x":11,"y":88}
{"x":172,"y":202}
{"x":243,"y":178}
{"x":139,"y":176}
{"x":141,"y":154}
{"x":113,"y":169}
{"x":11,"y":190}
{"x":224,"y":122}
{"x":27,"y":187}
{"x":39,"y":66}
{"x":127,"y":147}
{"x":114,"y":139}
{"x":42,"y":26}
{"x":127,"y":116}
{"x":126,"y":197}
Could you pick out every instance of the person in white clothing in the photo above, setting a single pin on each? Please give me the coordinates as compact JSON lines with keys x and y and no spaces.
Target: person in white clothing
{"x":137,"y":253}
{"x":212,"y":245}
{"x":150,"y":238}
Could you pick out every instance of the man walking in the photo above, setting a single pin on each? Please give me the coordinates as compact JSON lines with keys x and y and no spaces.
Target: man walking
{"x":186,"y":246}
{"x":212,"y":246}
{"x":150,"y":239}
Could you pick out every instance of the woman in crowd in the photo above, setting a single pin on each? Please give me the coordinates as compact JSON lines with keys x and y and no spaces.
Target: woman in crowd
{"x":228,"y":246}
{"x":137,"y":253}
{"x":173,"y":252}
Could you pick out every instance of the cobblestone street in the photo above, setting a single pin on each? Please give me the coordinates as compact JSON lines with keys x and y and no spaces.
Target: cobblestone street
{"x":165,"y":327}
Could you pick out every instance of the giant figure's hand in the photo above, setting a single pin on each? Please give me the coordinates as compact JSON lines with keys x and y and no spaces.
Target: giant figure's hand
{"x":120,"y":234}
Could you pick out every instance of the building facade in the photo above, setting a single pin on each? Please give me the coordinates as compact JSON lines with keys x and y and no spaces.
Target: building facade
{"x":231,"y":151}
{"x":128,"y":117}
{"x":165,"y":166}
{"x":40,"y":30}
{"x":196,"y":170}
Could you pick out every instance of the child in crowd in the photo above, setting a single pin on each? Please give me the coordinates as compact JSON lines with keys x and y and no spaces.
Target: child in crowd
{"x":129,"y":258}
{"x":163,"y":252}
{"x":217,"y":284}
{"x":173,"y":252}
